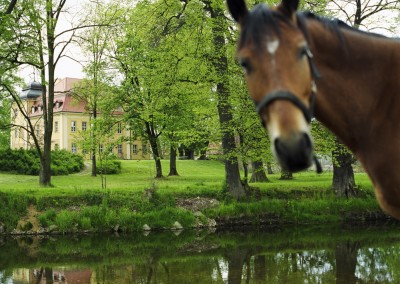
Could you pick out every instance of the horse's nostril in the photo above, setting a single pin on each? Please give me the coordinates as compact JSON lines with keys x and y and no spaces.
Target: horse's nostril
{"x":306,"y":141}
{"x":294,"y":153}
{"x":279,"y":147}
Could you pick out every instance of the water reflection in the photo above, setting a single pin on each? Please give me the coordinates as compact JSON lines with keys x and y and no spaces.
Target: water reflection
{"x":290,"y":255}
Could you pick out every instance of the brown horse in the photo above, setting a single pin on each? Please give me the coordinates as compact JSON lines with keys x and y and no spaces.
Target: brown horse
{"x":357,"y":96}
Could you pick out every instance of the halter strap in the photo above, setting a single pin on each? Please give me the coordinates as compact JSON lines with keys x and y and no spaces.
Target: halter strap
{"x":285,"y":95}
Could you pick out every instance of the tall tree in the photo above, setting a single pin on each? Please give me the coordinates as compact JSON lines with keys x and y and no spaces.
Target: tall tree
{"x":102,"y":20}
{"x":162,"y":77}
{"x":38,"y":43}
{"x":219,"y":61}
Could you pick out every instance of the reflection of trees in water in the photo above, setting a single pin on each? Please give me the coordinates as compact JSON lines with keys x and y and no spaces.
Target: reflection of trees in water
{"x":377,"y":265}
{"x":237,"y":258}
{"x":220,"y":258}
{"x":346,"y":261}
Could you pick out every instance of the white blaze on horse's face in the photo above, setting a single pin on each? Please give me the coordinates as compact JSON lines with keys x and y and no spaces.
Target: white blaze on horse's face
{"x":272,"y":46}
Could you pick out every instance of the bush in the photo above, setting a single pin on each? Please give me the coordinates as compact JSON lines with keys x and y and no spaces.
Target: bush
{"x":72,"y":163}
{"x":66,"y":220}
{"x":47,"y":218}
{"x":27,"y":162}
{"x":109,"y":167}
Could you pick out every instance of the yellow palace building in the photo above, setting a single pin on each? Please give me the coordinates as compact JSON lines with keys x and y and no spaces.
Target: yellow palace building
{"x":69,"y":122}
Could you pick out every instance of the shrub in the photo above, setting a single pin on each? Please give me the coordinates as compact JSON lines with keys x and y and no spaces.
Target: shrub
{"x":65,"y":220}
{"x":47,"y":218}
{"x":109,"y":167}
{"x":27,"y":162}
{"x":85,"y":223}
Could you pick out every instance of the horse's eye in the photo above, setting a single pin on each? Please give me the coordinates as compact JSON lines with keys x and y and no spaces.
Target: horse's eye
{"x":245,"y":63}
{"x":303,"y":51}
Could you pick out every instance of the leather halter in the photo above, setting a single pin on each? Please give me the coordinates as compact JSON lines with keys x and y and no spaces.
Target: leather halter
{"x":286,"y":95}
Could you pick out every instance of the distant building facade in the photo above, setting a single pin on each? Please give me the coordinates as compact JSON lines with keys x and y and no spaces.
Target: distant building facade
{"x":70,"y":120}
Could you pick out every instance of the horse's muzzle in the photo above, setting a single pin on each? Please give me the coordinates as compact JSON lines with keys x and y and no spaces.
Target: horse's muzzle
{"x":295,"y":152}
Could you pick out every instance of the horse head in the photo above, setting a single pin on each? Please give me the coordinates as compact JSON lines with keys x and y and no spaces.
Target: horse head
{"x":280,"y":75}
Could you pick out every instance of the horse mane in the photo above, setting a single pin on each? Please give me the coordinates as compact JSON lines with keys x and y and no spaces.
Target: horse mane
{"x":262,"y":22}
{"x":334,"y":25}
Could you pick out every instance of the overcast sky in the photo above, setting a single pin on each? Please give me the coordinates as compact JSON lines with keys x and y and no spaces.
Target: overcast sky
{"x":69,"y":68}
{"x":66,"y":67}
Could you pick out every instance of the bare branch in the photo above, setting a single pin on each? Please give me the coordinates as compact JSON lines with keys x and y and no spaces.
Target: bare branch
{"x":11,"y":7}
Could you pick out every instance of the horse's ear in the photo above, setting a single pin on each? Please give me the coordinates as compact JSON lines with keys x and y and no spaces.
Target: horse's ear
{"x":289,"y":7}
{"x":238,"y":9}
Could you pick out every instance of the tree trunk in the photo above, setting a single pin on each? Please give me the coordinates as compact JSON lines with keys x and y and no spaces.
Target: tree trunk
{"x":48,"y":104}
{"x":172,"y":162}
{"x":246,"y":173}
{"x":258,"y":174}
{"x":343,"y":176}
{"x":45,"y":168}
{"x":260,"y":269}
{"x":236,"y":259}
{"x":189,"y":154}
{"x":220,"y":63}
{"x":48,"y":273}
{"x":154,"y":148}
{"x":269,"y":168}
{"x":285,"y":175}
{"x":203,"y":152}
{"x":346,"y":261}
{"x":94,"y":143}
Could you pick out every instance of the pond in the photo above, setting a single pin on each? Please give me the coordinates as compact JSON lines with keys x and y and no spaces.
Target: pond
{"x":268,"y":255}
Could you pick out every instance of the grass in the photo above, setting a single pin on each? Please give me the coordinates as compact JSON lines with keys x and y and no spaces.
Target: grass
{"x":306,"y":198}
{"x":196,"y":178}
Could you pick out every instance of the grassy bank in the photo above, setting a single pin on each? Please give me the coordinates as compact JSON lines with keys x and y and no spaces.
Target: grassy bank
{"x":134,"y":198}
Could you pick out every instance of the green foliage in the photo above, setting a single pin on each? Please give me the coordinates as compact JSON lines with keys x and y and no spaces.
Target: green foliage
{"x":15,"y":203}
{"x":66,"y":220}
{"x":27,"y":162}
{"x":109,"y":166}
{"x":47,"y":218}
{"x":102,"y":218}
{"x":73,"y":163}
{"x":135,"y":198}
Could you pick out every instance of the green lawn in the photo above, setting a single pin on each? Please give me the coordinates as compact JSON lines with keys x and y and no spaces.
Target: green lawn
{"x":196,"y":178}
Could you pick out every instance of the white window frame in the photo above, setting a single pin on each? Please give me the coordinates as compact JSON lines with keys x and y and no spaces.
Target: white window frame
{"x":119,"y":130}
{"x":73,"y":126}
{"x":73,"y":148}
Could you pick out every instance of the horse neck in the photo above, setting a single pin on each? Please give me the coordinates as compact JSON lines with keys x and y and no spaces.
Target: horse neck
{"x":356,"y":72}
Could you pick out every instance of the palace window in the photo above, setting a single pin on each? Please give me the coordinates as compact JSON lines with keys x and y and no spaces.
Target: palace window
{"x":73,"y":126}
{"x":73,"y":148}
{"x":84,"y":125}
{"x":55,"y":126}
{"x":37,"y":130}
{"x":134,"y":149}
{"x":119,"y":127}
